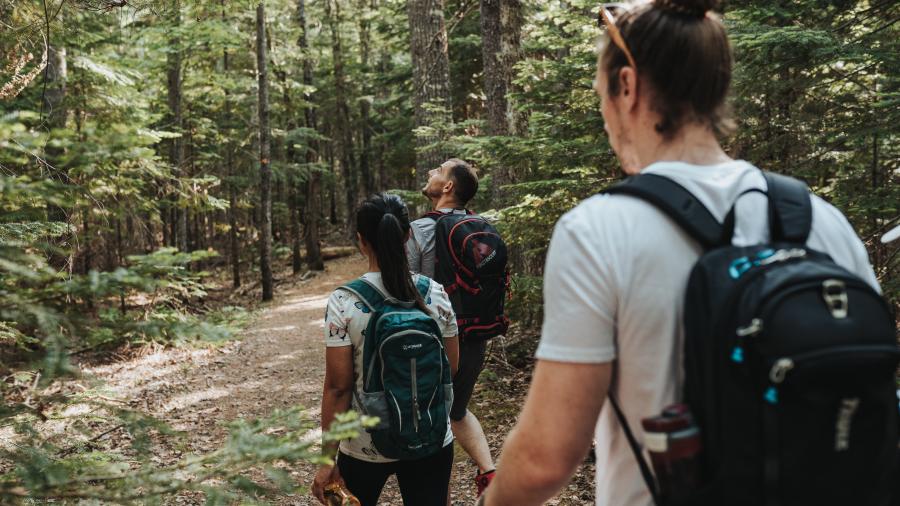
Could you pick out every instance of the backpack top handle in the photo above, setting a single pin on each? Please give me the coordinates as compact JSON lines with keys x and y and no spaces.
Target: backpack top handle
{"x":790,"y":209}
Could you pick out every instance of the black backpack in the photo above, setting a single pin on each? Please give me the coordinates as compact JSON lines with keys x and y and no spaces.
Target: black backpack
{"x":790,"y":361}
{"x":470,"y":263}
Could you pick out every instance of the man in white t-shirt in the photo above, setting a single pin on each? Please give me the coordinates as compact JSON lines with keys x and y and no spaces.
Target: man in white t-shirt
{"x":617,"y":267}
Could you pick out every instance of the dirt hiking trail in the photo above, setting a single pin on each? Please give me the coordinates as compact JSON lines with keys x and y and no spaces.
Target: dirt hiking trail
{"x":278,"y":362}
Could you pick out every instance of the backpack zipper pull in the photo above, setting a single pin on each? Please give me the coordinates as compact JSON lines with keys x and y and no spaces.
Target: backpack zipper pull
{"x":780,"y":370}
{"x":755,"y":327}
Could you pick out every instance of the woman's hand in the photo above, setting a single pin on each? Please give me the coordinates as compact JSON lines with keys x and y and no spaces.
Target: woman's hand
{"x":325,"y":476}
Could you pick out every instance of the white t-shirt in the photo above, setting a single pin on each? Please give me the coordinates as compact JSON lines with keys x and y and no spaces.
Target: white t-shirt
{"x":346,"y":317}
{"x":616,"y":273}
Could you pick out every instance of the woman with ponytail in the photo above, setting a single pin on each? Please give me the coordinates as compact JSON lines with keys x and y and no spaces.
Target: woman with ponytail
{"x":382,"y":230}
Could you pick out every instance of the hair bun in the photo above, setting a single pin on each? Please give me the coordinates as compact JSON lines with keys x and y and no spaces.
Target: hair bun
{"x":696,"y":8}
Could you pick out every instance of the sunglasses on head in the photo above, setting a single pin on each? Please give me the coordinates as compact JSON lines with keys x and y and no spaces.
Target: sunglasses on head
{"x":606,"y":18}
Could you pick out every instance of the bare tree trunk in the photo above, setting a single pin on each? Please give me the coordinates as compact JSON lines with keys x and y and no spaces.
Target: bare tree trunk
{"x":233,"y":233}
{"x":290,"y":178}
{"x":176,"y":147}
{"x":431,"y":78}
{"x":314,"y":183}
{"x":344,"y":134}
{"x":501,"y":28}
{"x":56,"y":74}
{"x":294,"y":206}
{"x":365,"y":172}
{"x":54,"y":108}
{"x":233,"y":239}
{"x":265,"y":171}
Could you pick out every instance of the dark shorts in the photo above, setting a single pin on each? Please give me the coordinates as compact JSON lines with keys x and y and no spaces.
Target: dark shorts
{"x":471,"y":362}
{"x":423,"y":482}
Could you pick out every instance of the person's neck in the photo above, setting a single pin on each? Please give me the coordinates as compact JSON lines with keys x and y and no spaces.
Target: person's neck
{"x":694,"y":144}
{"x":447,"y":202}
{"x":373,"y":265}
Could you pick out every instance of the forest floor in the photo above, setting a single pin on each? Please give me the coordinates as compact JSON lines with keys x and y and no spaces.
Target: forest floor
{"x":279,"y":362}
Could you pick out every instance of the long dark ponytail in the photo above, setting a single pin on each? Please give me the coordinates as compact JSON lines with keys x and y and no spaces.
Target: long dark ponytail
{"x":383,"y":221}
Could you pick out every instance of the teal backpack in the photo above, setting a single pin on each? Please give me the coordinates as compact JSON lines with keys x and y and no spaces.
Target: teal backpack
{"x":406,"y":374}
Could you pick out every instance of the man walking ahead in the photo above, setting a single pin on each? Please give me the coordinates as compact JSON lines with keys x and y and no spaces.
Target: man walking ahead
{"x":463,"y":252}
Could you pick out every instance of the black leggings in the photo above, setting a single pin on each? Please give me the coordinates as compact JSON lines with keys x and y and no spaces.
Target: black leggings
{"x":423,"y":482}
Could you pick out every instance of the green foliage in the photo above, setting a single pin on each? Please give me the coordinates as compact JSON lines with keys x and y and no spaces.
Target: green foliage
{"x":91,"y":199}
{"x":48,"y":472}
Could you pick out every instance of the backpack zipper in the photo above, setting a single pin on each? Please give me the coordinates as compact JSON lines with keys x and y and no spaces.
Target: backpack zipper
{"x":415,"y":394}
{"x":381,"y":357}
{"x":783,"y":365}
{"x":368,"y":380}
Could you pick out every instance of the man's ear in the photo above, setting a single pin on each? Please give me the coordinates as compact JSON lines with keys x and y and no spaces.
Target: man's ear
{"x":628,"y":88}
{"x":448,"y":186}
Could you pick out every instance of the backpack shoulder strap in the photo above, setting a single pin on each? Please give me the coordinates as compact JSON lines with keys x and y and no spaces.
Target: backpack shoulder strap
{"x":649,"y":480}
{"x":368,"y":294}
{"x":423,"y":284}
{"x":676,"y":202}
{"x":790,"y":208}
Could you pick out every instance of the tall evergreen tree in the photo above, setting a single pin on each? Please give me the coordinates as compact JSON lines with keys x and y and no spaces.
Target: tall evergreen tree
{"x":265,"y":169}
{"x":314,"y":182}
{"x":431,"y":79}
{"x":343,"y":130}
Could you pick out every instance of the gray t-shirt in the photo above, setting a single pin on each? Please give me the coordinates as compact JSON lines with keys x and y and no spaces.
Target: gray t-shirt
{"x":420,"y":247}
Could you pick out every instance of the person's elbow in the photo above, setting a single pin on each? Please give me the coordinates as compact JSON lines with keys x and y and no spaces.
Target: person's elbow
{"x":547,"y":467}
{"x":338,"y":390}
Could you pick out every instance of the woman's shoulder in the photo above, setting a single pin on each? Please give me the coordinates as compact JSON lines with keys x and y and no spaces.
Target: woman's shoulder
{"x":436,"y":290}
{"x":343,"y":296}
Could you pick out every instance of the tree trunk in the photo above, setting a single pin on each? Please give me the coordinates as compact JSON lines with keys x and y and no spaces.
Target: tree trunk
{"x":54,"y":109}
{"x":265,"y":171}
{"x":176,"y":147}
{"x":431,"y":78}
{"x":501,"y":28}
{"x":293,"y":205}
{"x":54,"y":98}
{"x":344,"y":134}
{"x":233,"y":239}
{"x":290,"y":178}
{"x":233,"y":233}
{"x":365,"y":172}
{"x":314,"y":182}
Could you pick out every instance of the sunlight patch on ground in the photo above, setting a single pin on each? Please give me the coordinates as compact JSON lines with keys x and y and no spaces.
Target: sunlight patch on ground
{"x":191,"y":398}
{"x":312,"y":436}
{"x":287,"y":356}
{"x":263,"y":330}
{"x":302,"y":304}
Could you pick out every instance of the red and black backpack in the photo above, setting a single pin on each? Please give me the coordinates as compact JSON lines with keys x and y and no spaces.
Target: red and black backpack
{"x":470,"y":261}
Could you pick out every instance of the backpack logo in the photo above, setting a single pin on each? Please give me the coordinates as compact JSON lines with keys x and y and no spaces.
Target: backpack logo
{"x":844,"y":419}
{"x":483,"y":253}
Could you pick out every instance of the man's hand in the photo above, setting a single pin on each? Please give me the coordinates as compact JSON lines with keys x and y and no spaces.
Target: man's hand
{"x":325,"y":476}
